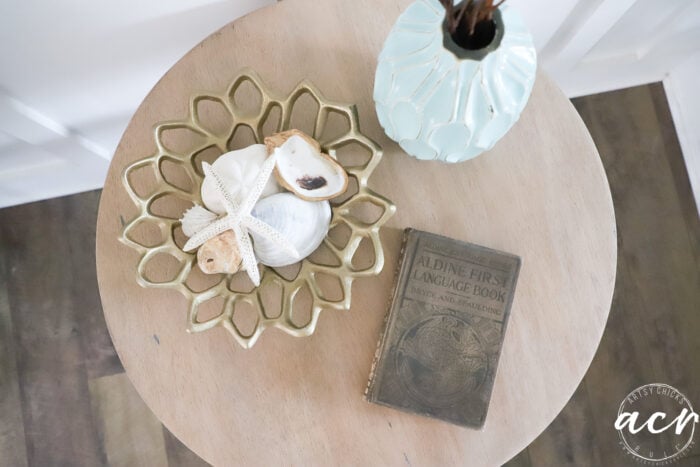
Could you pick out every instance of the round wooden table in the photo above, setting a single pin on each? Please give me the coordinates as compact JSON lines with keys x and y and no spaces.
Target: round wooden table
{"x":541,"y":193}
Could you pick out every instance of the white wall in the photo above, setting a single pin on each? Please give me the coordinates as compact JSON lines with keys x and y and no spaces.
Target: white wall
{"x":72,"y":72}
{"x":612,"y":44}
{"x":683,"y":90}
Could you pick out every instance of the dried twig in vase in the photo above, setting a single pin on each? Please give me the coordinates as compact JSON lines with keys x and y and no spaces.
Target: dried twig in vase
{"x":468,"y":14}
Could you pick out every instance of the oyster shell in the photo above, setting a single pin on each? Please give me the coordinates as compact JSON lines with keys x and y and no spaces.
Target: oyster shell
{"x":220,"y":254}
{"x":278,"y":139}
{"x":303,"y":169}
{"x":303,"y":223}
{"x":238,"y":169}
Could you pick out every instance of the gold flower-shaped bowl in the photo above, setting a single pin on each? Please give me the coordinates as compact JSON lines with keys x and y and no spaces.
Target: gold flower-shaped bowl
{"x":166,"y":183}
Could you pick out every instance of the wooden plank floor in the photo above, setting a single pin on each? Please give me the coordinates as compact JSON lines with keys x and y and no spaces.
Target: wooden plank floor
{"x":64,"y":399}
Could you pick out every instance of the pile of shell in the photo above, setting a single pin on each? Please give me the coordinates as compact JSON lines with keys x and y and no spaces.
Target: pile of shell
{"x":294,"y":203}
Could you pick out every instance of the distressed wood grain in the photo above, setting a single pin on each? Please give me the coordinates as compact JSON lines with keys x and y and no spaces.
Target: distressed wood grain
{"x":58,"y":423}
{"x":13,"y":451}
{"x":80,"y":219}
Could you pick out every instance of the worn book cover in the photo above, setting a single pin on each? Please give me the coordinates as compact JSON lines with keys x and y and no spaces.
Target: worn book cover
{"x":444,"y":330}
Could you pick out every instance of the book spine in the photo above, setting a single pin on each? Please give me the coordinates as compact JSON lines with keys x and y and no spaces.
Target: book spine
{"x":390,"y":309}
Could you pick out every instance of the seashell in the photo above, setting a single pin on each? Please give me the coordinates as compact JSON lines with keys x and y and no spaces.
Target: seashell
{"x":195,"y":219}
{"x":303,"y":223}
{"x":278,"y":139}
{"x":303,"y":169}
{"x":238,"y":169}
{"x":220,"y":254}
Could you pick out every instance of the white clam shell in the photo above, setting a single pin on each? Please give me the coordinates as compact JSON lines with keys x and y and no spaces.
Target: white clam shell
{"x":238,"y":170}
{"x":195,"y":219}
{"x":310,"y":174}
{"x":303,"y":223}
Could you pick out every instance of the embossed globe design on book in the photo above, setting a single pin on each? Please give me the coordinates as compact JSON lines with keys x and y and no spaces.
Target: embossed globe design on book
{"x":440,"y":358}
{"x":352,"y":248}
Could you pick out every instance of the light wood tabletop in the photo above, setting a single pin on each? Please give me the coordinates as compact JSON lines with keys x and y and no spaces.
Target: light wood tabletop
{"x":541,"y":193}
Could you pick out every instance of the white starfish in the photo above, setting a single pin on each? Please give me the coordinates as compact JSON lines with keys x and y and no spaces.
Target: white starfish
{"x":239,"y":219}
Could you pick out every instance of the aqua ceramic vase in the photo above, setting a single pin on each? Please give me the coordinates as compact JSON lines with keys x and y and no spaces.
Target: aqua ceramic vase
{"x":442,"y":102}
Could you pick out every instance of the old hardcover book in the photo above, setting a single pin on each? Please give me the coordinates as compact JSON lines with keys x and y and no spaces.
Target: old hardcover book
{"x":444,"y":330}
